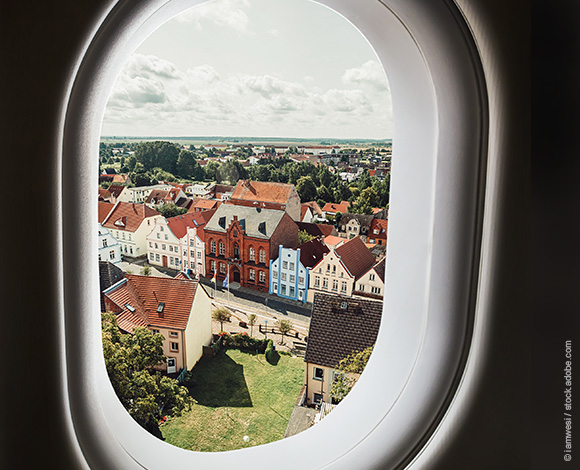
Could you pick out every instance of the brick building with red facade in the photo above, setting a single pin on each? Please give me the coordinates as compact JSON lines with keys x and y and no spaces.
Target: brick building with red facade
{"x":242,"y":240}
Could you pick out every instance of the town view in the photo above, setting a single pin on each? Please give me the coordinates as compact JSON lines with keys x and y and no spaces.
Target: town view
{"x":242,"y":277}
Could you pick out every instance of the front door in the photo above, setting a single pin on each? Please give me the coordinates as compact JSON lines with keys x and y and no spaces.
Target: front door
{"x":164,"y":258}
{"x":171,"y":368}
{"x":236,"y":275}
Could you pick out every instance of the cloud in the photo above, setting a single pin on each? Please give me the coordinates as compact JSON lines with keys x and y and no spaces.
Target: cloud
{"x":154,"y":97}
{"x":370,"y":73}
{"x":222,"y":13}
{"x":274,"y":32}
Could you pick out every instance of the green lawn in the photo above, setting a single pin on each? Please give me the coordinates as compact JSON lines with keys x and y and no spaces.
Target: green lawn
{"x":237,"y":394}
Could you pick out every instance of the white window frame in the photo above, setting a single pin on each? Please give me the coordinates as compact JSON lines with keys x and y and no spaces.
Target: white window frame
{"x":449,"y":111}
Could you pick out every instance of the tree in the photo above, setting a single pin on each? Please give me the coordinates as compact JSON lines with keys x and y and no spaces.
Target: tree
{"x":306,"y":188}
{"x":349,"y":369}
{"x":146,"y":394}
{"x":252,"y":321}
{"x":145,"y":271}
{"x":222,"y":315}
{"x":284,"y":326}
{"x":158,"y":153}
{"x":170,"y":210}
{"x":304,"y":236}
{"x":186,"y":164}
{"x":211,"y":171}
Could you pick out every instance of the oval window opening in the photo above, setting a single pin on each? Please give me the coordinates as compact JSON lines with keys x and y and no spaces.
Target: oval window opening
{"x":244,"y":183}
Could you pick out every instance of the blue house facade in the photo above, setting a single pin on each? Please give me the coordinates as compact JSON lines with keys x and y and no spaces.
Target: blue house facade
{"x":288,"y":277}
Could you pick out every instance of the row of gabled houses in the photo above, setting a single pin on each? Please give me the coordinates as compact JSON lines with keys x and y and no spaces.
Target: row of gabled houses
{"x":251,"y":242}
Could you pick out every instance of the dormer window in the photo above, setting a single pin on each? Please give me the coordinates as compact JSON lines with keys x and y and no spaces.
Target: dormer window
{"x":160,"y":307}
{"x":130,"y":307}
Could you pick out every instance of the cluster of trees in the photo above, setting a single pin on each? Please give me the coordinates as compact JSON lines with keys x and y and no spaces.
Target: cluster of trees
{"x":165,"y":161}
{"x":146,"y":394}
{"x":349,"y":370}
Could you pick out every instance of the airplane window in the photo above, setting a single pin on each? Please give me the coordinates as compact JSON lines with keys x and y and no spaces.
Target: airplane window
{"x":432,"y":251}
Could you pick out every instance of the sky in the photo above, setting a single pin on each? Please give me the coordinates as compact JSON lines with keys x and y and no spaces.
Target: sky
{"x":253,"y":68}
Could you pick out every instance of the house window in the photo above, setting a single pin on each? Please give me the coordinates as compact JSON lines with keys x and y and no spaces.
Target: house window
{"x":316,"y":281}
{"x":252,"y":275}
{"x":283,"y":289}
{"x":252,"y":254}
{"x":222,"y":248}
{"x":192,"y":253}
{"x":212,"y":247}
{"x":283,"y":276}
{"x":171,"y":260}
{"x":192,"y":242}
{"x":371,"y":277}
{"x":300,"y":294}
{"x":164,"y":246}
{"x":318,"y":373}
{"x":171,"y":248}
{"x":156,"y":246}
{"x":161,"y":228}
{"x":291,"y":266}
{"x":301,"y":280}
{"x":222,"y":268}
{"x":192,"y":265}
{"x":150,"y":245}
{"x":325,"y":283}
{"x":334,"y":285}
{"x":129,"y":235}
{"x":334,"y":269}
{"x":104,"y":243}
{"x":328,"y":268}
{"x":285,"y":264}
{"x":317,"y":398}
{"x":156,"y":256}
{"x":154,"y":331}
{"x":274,"y":274}
{"x":213,"y":266}
{"x":375,"y":290}
{"x":174,"y":346}
{"x":262,"y":256}
{"x":236,"y":250}
{"x":112,"y":254}
{"x":292,"y":278}
{"x":158,"y":235}
{"x":343,"y":287}
{"x":199,"y":254}
{"x":376,"y":231}
{"x":292,"y":291}
{"x":131,"y":249}
{"x":173,"y":334}
{"x":262,"y":276}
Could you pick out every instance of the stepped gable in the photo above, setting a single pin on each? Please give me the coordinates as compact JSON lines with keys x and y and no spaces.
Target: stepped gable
{"x":355,"y":256}
{"x":340,"y":326}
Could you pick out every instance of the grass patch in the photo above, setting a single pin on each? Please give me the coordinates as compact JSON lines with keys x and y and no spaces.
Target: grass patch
{"x":238,"y":394}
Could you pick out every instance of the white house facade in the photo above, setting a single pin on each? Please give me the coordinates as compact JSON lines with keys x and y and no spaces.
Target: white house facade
{"x":139,"y":194}
{"x":109,"y":247}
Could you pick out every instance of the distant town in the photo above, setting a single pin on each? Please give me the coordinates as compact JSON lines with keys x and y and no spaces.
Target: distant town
{"x":218,"y":243}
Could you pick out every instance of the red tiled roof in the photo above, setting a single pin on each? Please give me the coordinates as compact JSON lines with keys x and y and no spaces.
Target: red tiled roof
{"x":205,"y":204}
{"x":119,"y":178}
{"x":144,"y":293}
{"x":104,"y":192}
{"x":104,"y":209}
{"x":312,"y":252}
{"x":380,"y":224}
{"x":303,"y":209}
{"x":179,"y":224}
{"x":356,"y":257}
{"x":156,"y":196}
{"x":116,"y":189}
{"x":333,"y":240}
{"x":263,"y":191}
{"x":314,"y":205}
{"x":333,"y":207}
{"x":128,"y":216}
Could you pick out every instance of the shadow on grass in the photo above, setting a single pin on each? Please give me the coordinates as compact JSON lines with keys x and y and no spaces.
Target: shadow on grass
{"x":219,"y":381}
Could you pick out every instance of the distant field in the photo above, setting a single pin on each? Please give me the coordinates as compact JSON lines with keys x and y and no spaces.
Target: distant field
{"x":238,"y":394}
{"x":253,"y":140}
